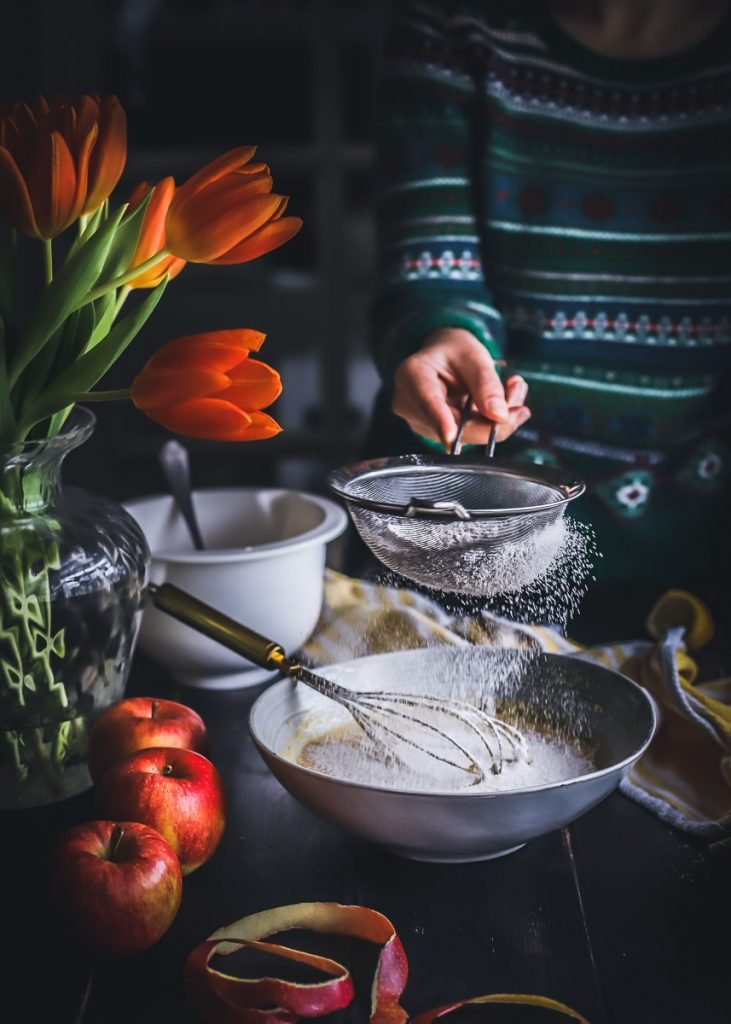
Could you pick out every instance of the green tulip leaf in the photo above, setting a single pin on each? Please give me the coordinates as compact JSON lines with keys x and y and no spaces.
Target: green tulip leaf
{"x":60,"y":351}
{"x":125,"y":242}
{"x":66,"y":293}
{"x":77,"y":330}
{"x":57,"y":420}
{"x":96,"y":219}
{"x":104,"y":311}
{"x":89,"y":368}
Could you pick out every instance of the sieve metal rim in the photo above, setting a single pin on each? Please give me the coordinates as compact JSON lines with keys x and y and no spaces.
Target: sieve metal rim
{"x":566,"y":487}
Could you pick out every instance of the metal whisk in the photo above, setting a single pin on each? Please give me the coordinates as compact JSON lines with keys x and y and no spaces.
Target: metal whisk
{"x":392,"y":720}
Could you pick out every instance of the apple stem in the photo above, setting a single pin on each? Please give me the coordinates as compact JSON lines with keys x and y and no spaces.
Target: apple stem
{"x":155,"y":706}
{"x":167,"y":770}
{"x":117,"y":833}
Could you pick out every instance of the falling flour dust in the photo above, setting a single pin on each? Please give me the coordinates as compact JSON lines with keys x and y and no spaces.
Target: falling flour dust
{"x":541,"y":578}
{"x":409,"y":747}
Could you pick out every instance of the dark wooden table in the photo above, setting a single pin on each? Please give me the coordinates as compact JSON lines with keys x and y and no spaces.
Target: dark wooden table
{"x":619,"y":916}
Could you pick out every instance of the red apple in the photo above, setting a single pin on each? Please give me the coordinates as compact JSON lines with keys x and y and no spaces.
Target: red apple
{"x":121,"y":884}
{"x":140,"y":722}
{"x":178,"y":792}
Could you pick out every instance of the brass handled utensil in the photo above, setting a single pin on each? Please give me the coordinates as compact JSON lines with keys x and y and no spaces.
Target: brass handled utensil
{"x":394,"y":721}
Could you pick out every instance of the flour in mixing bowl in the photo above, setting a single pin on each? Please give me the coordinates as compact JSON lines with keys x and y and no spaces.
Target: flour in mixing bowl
{"x":340,"y":749}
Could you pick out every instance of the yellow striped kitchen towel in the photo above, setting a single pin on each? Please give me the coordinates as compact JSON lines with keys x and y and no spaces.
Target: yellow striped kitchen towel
{"x":685,"y":775}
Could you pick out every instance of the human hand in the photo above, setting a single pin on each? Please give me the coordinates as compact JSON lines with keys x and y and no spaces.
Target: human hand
{"x":430,"y":387}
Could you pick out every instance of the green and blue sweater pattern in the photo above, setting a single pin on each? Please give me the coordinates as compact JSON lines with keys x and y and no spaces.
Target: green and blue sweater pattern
{"x":574,"y":212}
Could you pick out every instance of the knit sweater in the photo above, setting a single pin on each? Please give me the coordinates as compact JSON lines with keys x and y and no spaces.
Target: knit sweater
{"x":572,"y":211}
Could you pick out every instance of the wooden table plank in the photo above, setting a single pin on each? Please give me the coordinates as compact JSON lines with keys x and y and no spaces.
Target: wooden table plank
{"x":656,"y":902}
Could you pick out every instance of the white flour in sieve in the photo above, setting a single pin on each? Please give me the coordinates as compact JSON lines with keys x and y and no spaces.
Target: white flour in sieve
{"x":340,"y":749}
{"x":540,"y":579}
{"x":463,"y":558}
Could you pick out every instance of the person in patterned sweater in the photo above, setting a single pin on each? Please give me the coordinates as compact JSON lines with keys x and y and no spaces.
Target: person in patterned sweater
{"x":555,"y":191}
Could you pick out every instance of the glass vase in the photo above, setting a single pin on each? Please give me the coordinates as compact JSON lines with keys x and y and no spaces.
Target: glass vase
{"x":72,"y":572}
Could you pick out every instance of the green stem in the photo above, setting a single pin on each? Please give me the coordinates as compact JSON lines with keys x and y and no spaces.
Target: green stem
{"x":121,"y":299}
{"x":97,"y":396}
{"x":48,"y":259}
{"x":38,"y":413}
{"x":128,"y":275}
{"x":83,"y":221}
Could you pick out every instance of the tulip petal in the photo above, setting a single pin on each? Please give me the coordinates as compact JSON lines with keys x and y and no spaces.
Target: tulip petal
{"x":25,"y":123}
{"x":152,"y":235}
{"x":110,"y":153}
{"x":170,"y":267}
{"x":222,"y":165}
{"x":87,"y":114}
{"x":138,"y":193}
{"x":62,"y":118}
{"x":17,"y":145}
{"x":154,"y":389}
{"x":254,"y":385}
{"x":82,"y":170}
{"x":217,"y":224}
{"x":226,"y":192}
{"x":210,"y":418}
{"x":234,"y":188}
{"x":261,"y":427}
{"x":254,"y":169}
{"x":52,"y":184}
{"x":267,"y":238}
{"x":212,"y":350}
{"x":15,"y":203}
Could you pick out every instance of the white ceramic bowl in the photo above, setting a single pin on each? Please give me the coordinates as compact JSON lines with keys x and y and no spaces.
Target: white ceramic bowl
{"x":263,"y":565}
{"x":614,"y":716}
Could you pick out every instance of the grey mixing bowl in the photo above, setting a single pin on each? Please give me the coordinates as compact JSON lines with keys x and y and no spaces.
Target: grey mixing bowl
{"x":608,"y":713}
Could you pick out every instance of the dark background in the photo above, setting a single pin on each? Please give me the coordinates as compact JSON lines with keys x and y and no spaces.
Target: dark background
{"x":294,"y":77}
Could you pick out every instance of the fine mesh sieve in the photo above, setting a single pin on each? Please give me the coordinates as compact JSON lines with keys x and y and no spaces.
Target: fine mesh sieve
{"x":458,"y":523}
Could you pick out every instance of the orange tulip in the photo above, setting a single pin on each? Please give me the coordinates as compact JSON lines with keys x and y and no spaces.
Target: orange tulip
{"x":109,"y":155}
{"x":206,"y":386}
{"x":59,"y":161}
{"x":152,"y":235}
{"x":227,"y":212}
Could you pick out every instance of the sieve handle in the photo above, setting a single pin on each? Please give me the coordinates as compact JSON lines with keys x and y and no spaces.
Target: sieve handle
{"x":464,"y":418}
{"x":573,"y":490}
{"x":427,"y":507}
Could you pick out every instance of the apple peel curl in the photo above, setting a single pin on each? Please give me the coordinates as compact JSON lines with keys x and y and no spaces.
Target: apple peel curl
{"x":222,"y":998}
{"x":500,"y":999}
{"x":226,"y":999}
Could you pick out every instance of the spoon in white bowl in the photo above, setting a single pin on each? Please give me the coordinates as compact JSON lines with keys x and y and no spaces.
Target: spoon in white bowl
{"x":176,"y":467}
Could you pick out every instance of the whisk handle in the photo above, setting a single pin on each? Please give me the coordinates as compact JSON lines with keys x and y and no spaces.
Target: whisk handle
{"x":214,"y":624}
